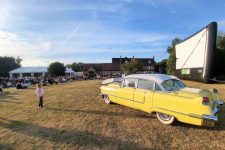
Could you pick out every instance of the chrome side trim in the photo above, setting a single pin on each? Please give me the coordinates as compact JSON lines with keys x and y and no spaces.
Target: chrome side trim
{"x":195,"y":116}
{"x":207,"y":117}
{"x":127,"y":99}
{"x":172,"y":111}
{"x":210,"y":118}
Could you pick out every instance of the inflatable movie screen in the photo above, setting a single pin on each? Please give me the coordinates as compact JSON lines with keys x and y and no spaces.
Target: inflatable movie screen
{"x":194,"y":55}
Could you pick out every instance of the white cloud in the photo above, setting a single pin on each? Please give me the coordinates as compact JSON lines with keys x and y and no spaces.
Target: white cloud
{"x":4,"y":14}
{"x":38,"y":50}
{"x":39,"y":45}
{"x":12,"y":44}
{"x":94,"y":34}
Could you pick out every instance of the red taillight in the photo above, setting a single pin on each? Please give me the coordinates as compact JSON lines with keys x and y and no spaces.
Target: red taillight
{"x":205,"y":100}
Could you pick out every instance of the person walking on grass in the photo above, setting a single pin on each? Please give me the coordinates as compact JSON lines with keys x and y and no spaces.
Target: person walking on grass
{"x":40,"y":94}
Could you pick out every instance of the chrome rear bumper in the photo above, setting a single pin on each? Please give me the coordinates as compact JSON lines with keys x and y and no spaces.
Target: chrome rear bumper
{"x":219,"y":103}
{"x":209,"y":120}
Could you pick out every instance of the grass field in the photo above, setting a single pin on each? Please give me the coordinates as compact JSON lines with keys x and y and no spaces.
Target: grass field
{"x":75,"y":117}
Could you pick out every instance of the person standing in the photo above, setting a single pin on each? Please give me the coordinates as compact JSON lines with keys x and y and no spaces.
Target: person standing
{"x":40,"y":94}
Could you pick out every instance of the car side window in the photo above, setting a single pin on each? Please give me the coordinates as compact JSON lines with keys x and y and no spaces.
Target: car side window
{"x":157,"y":88}
{"x":145,"y":84}
{"x":129,"y":82}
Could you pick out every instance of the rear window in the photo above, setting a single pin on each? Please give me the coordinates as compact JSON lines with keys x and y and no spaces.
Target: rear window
{"x":172,"y":85}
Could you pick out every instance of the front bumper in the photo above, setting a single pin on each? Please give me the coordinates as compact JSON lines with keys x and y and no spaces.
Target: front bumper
{"x":102,"y":95}
{"x":209,"y":120}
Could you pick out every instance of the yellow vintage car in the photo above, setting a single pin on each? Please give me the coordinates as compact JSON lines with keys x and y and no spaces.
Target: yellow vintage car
{"x":167,"y":97}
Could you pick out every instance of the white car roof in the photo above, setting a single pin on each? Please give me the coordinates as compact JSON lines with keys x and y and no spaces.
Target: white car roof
{"x":158,"y":78}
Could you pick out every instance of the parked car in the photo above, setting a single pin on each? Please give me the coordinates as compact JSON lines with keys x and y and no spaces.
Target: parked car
{"x":52,"y":81}
{"x":116,"y":75}
{"x":167,"y":97}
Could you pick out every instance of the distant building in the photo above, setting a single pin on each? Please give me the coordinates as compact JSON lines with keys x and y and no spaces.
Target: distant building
{"x":34,"y":72}
{"x":148,"y":63}
{"x":101,"y":69}
{"x":109,"y":69}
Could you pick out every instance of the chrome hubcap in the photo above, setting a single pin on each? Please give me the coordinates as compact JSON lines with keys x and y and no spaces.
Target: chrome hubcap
{"x":165,"y":117}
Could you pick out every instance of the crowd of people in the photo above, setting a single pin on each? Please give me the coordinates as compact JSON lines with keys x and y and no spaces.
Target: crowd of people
{"x":22,"y":83}
{"x":25,"y":82}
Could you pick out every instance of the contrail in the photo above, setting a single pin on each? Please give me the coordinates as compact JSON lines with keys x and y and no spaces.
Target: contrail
{"x":68,"y":38}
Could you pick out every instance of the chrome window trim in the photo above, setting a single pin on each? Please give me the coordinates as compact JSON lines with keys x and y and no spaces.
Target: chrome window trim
{"x":135,"y":86}
{"x":162,"y":89}
{"x":136,"y":83}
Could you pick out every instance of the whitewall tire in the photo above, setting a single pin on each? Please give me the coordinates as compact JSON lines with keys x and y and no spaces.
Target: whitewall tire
{"x":165,"y":119}
{"x":106,"y":99}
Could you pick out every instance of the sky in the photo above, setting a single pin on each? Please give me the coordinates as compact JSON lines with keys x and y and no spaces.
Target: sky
{"x":93,"y":31}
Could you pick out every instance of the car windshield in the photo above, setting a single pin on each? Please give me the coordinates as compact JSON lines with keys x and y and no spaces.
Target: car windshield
{"x":172,"y":85}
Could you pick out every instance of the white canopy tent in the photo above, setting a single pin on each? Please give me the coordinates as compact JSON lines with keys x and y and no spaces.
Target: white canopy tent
{"x":34,"y":72}
{"x":28,"y":71}
{"x":70,"y":72}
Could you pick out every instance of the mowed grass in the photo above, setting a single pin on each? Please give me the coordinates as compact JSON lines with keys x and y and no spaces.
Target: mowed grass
{"x":75,"y":117}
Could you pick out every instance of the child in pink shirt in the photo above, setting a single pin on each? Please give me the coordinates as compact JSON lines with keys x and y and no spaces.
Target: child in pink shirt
{"x":40,"y":94}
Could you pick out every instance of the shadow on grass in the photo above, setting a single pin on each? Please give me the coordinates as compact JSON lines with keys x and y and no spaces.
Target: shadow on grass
{"x":73,"y":137}
{"x":9,"y":96}
{"x":218,"y":126}
{"x":15,"y":102}
{"x":5,"y":147}
{"x":103,"y":113}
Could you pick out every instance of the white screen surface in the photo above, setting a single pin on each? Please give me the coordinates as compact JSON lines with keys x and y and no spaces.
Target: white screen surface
{"x":191,"y":53}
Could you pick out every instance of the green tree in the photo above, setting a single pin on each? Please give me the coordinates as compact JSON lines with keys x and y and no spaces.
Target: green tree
{"x":8,"y":64}
{"x":171,"y":61}
{"x":133,"y":66}
{"x":68,"y":66}
{"x":161,"y":66}
{"x":75,"y":66}
{"x":56,"y":69}
{"x":18,"y":60}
